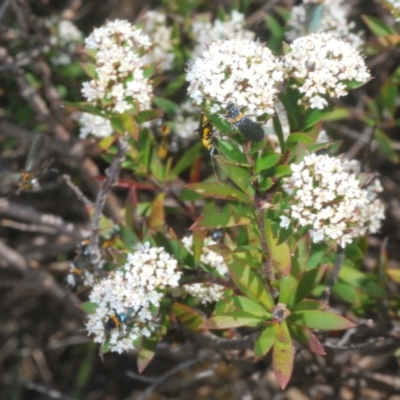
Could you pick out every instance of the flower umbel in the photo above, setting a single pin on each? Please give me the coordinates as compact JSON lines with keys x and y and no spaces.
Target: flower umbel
{"x":205,"y":32}
{"x":121,"y":84}
{"x":328,"y":198}
{"x":161,"y":51}
{"x":94,"y":125}
{"x":135,"y":290}
{"x":240,"y":71}
{"x":321,"y":66}
{"x":205,"y":292}
{"x":333,"y":21}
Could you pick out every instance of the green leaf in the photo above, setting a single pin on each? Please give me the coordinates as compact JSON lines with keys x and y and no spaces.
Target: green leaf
{"x":232,"y":152}
{"x":264,"y":342}
{"x":219,"y":191}
{"x":347,"y":293}
{"x":129,"y":125}
{"x":175,"y":85}
{"x":377,"y":26}
{"x":220,"y":220}
{"x":234,"y":319}
{"x":249,"y":282}
{"x":386,"y":145}
{"x":295,"y":138}
{"x":361,"y":281}
{"x":166,"y":105}
{"x":308,"y":282}
{"x":274,"y":26}
{"x":283,"y":354}
{"x":188,"y":316}
{"x":313,"y":116}
{"x":187,"y":159}
{"x":279,"y":253}
{"x":240,"y":176}
{"x":323,"y":320}
{"x":90,"y":69}
{"x":245,"y":304}
{"x":279,"y":132}
{"x":88,"y":307}
{"x":305,"y":337}
{"x":282,"y":171}
{"x":309,"y":304}
{"x":266,"y":161}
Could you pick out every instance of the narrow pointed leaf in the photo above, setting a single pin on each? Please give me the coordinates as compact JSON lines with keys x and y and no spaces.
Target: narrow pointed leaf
{"x":250,"y":283}
{"x":146,"y":353}
{"x":264,"y":342}
{"x":283,"y":354}
{"x":305,"y":337}
{"x":315,"y":319}
{"x":240,"y":176}
{"x":279,"y":253}
{"x":234,"y":319}
{"x":220,"y":220}
{"x":218,"y":191}
{"x":188,"y":316}
{"x":157,"y":215}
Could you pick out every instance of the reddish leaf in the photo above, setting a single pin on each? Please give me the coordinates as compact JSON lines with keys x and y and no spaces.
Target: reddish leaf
{"x":305,"y":337}
{"x":146,"y":353}
{"x":283,"y":354}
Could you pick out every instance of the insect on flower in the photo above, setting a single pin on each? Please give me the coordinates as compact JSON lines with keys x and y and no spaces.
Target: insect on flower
{"x":28,"y":178}
{"x":118,"y":320}
{"x":251,"y":131}
{"x":207,"y":134}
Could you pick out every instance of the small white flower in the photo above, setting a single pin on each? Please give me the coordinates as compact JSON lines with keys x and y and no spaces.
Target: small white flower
{"x":333,"y":21}
{"x":205,"y":32}
{"x":119,"y":67}
{"x":205,"y":292}
{"x":131,"y":294}
{"x":161,"y":52}
{"x":335,"y":206}
{"x":395,"y":9}
{"x":236,"y":70}
{"x":93,"y":125}
{"x":321,"y":65}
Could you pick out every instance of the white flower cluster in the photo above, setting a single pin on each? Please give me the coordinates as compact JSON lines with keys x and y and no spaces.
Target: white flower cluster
{"x":205,"y":292}
{"x":133,"y":292}
{"x":186,"y":121}
{"x":239,"y":71}
{"x":64,"y":40}
{"x":333,"y":21}
{"x":395,"y":9}
{"x":161,"y":36}
{"x":93,"y":125}
{"x":321,"y":66}
{"x":205,"y":32}
{"x":120,"y":84}
{"x":329,"y":199}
